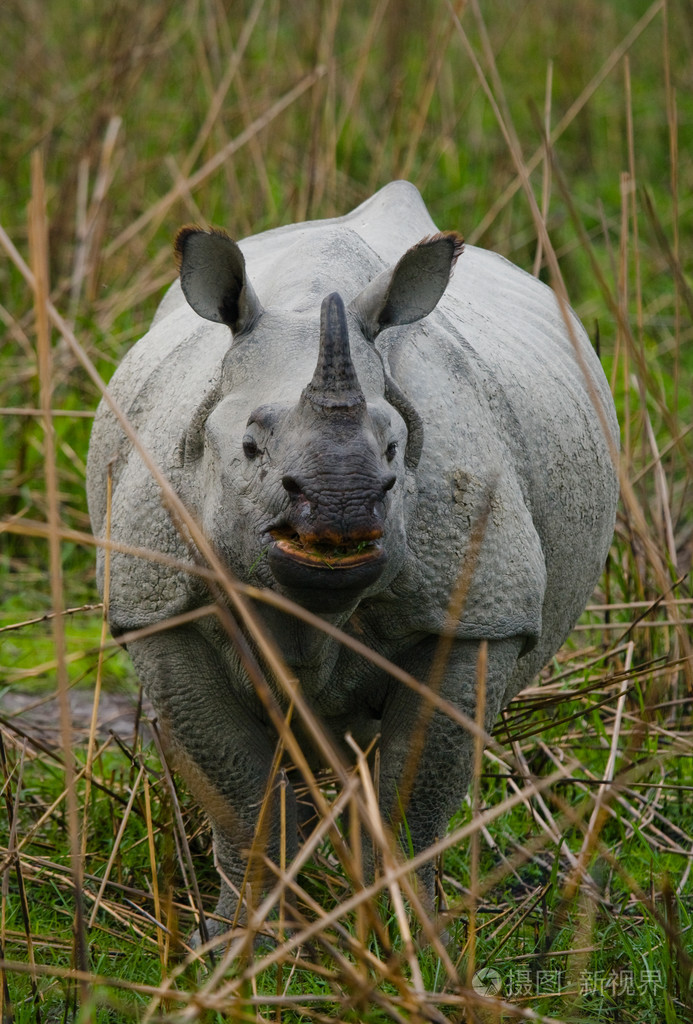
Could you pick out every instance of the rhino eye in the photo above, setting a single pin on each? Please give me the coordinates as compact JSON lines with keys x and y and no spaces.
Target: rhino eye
{"x":391,"y":451}
{"x":250,"y":448}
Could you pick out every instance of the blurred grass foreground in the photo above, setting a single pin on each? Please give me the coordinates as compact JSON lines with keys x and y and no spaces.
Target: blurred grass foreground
{"x":566,"y":893}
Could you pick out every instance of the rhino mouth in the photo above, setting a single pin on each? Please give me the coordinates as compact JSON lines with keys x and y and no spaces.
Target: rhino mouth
{"x":324,"y":555}
{"x":324,"y":576}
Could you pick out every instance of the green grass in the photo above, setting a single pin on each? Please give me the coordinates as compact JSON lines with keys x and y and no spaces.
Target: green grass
{"x":116,"y":99}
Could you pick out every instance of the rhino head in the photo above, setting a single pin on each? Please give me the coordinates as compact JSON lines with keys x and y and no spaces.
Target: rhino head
{"x":305,"y":463}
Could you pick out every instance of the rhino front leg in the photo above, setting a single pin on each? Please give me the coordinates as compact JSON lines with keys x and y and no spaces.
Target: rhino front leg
{"x":218,"y":745}
{"x":426,"y":759}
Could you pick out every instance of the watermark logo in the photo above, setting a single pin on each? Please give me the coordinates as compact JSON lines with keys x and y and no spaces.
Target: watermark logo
{"x":487,"y":982}
{"x":524,"y":982}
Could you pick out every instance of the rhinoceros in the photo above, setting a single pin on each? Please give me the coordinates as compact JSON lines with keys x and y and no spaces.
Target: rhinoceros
{"x":366,"y":433}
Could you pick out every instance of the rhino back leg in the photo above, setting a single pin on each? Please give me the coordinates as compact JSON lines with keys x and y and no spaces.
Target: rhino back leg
{"x":218,"y":745}
{"x":426,"y":758}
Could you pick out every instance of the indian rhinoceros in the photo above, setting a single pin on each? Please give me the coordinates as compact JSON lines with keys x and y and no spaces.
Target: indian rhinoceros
{"x":354,"y":427}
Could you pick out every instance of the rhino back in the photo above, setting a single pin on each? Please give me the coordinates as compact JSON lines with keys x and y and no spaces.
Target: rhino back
{"x":389,"y":222}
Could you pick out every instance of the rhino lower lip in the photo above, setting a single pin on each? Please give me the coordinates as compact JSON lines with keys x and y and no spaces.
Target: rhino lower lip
{"x":321,"y":555}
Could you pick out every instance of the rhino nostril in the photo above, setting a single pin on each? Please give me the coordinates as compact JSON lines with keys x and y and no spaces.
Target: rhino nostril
{"x":291,"y":485}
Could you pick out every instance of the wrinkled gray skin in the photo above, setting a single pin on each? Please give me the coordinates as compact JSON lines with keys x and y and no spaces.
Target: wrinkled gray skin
{"x":282,"y":454}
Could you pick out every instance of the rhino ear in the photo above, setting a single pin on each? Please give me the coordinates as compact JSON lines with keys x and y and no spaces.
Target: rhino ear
{"x":412,"y":288}
{"x":213,"y":278}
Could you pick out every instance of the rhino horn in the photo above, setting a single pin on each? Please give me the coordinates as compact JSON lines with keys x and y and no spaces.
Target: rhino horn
{"x":334,"y":384}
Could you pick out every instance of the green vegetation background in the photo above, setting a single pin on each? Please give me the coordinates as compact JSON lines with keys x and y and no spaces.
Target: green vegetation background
{"x":250,"y":115}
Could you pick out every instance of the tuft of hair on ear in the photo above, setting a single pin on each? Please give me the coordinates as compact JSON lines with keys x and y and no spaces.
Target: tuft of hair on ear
{"x":454,"y":240}
{"x":181,"y":238}
{"x":185,"y":232}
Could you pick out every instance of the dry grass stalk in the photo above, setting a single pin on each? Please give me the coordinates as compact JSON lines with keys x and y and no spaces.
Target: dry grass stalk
{"x":38,"y":234}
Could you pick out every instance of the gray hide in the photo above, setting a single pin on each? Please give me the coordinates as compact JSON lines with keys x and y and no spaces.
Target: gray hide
{"x":431,"y":437}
